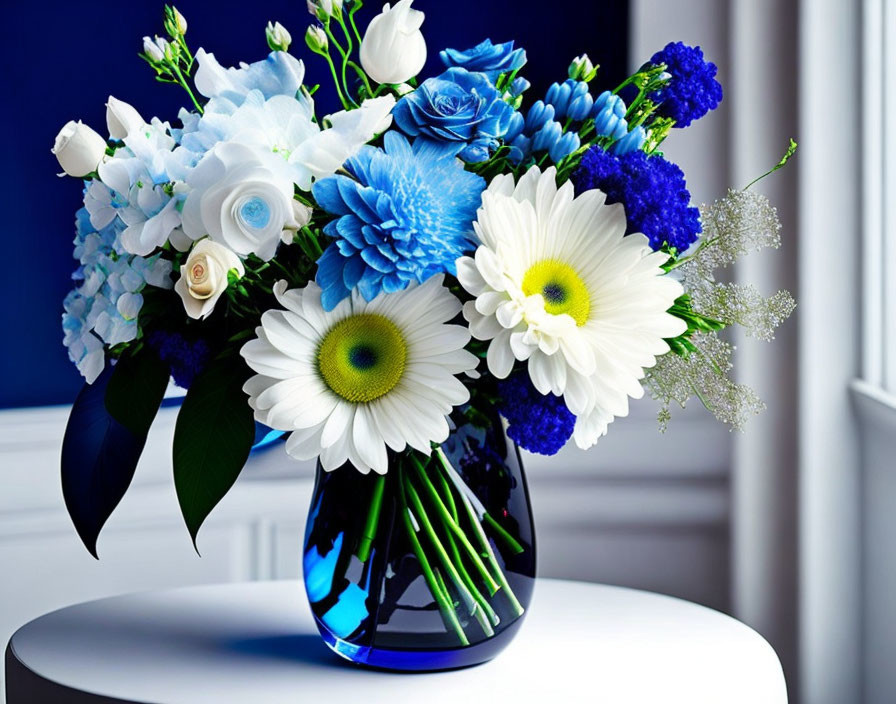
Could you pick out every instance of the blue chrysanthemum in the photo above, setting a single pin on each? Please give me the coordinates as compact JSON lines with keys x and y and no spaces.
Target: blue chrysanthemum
{"x":693,"y":89}
{"x":537,"y":423}
{"x":185,"y":357}
{"x":652,"y":189}
{"x":405,"y":214}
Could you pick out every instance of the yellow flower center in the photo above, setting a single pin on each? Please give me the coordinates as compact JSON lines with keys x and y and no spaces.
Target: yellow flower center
{"x":362,"y":357}
{"x":561,"y":287}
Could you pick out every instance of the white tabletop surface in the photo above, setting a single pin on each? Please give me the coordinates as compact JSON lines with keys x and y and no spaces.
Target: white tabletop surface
{"x":256,"y":643}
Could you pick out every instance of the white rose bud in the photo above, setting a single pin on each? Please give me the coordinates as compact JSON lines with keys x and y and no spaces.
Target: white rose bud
{"x":278,"y":37}
{"x":393,"y":49}
{"x":79,"y":149}
{"x":581,"y":69}
{"x":153,"y":50}
{"x":325,"y":9}
{"x":317,"y":40}
{"x":204,"y":277}
{"x":122,"y":118}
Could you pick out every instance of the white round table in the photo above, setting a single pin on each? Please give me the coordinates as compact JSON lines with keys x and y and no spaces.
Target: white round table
{"x":256,"y":643}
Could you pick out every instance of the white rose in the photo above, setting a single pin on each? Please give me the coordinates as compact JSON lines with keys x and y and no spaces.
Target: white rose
{"x":204,"y":277}
{"x":79,"y":149}
{"x":241,"y":197}
{"x":393,"y":49}
{"x":122,"y":118}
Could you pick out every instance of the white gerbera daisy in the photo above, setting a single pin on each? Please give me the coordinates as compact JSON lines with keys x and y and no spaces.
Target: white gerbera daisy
{"x":558,"y":283}
{"x":351,"y":381}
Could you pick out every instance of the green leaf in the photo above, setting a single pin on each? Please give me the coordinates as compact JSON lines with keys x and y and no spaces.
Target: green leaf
{"x":212,"y":439}
{"x":136,"y":388}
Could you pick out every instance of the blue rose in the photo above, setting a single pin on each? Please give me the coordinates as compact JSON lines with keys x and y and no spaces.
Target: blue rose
{"x":458,"y":106}
{"x":490,"y":59}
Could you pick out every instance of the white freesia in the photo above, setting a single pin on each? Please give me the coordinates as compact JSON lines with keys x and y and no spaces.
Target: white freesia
{"x":203,"y":278}
{"x":278,"y":36}
{"x":393,"y":49}
{"x":350,"y":382}
{"x":154,"y":48}
{"x":560,"y":285}
{"x":122,"y":118}
{"x":316,"y":39}
{"x":240,"y":197}
{"x":79,"y":149}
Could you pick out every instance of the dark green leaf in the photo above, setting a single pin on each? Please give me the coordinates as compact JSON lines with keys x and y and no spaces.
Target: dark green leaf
{"x":214,"y":433}
{"x":136,"y":389}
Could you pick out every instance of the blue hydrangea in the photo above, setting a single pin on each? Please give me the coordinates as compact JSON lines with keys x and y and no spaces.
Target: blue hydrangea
{"x":692,"y":90}
{"x":652,"y":189}
{"x":185,"y":357}
{"x":405,"y":214}
{"x":536,"y":423}
{"x":457,"y":106}
{"x":485,"y":57}
{"x":103,"y":307}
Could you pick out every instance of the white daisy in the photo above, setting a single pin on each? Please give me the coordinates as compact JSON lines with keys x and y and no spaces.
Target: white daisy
{"x":361,"y":377}
{"x":558,"y":283}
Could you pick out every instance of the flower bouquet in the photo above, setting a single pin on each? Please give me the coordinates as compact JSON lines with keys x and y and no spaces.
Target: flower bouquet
{"x":407,"y":291}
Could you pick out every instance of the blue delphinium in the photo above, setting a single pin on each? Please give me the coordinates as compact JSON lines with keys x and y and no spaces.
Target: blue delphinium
{"x":406,"y":213}
{"x":692,"y":90}
{"x":485,"y":57}
{"x":653,"y":191}
{"x":536,"y":422}
{"x":609,"y":121}
{"x":570,"y":99}
{"x":457,"y":106}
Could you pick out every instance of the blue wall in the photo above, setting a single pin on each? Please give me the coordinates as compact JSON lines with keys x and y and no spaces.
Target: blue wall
{"x":62,"y":59}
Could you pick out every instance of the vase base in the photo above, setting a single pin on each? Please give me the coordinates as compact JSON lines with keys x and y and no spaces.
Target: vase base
{"x":421,"y":660}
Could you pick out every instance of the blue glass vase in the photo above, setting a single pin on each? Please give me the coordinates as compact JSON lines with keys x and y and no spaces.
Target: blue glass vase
{"x":429,"y":567}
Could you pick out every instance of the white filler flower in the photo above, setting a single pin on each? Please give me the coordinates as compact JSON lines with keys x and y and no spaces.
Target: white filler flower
{"x":364,"y":376}
{"x":558,"y":283}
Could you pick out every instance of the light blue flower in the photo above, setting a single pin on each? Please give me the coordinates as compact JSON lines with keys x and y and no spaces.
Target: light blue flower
{"x":457,"y":106}
{"x":485,"y":57}
{"x":570,"y":99}
{"x":102,"y":310}
{"x":405,"y":214}
{"x":609,"y":121}
{"x":278,"y":74}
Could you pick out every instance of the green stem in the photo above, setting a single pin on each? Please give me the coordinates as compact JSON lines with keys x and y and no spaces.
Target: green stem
{"x":342,"y":99}
{"x":419,"y":513}
{"x":515,"y":547}
{"x":351,"y":19}
{"x":363,"y":76}
{"x":186,"y":87}
{"x":483,"y":539}
{"x":456,"y":529}
{"x":373,"y":517}
{"x":437,"y":587}
{"x":493,"y":619}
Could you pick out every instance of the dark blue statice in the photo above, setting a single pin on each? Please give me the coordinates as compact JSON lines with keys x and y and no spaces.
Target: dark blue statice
{"x":536,"y":423}
{"x":187,"y":358}
{"x":693,"y":89}
{"x":653,"y":191}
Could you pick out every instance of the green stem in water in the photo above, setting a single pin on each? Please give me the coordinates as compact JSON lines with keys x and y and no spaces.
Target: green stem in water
{"x":483,"y":539}
{"x":450,"y":523}
{"x":513,"y":544}
{"x":420,"y":514}
{"x":435,"y":585}
{"x":373,"y":518}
